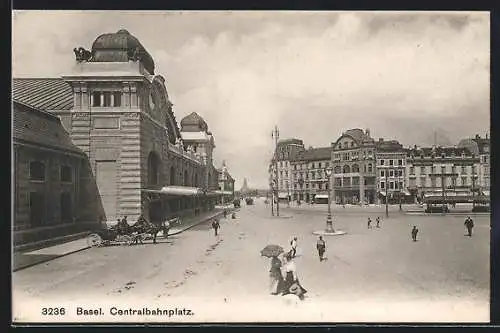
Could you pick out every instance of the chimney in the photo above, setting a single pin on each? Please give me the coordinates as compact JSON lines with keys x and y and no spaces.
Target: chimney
{"x":367,"y":132}
{"x":486,"y":136}
{"x":380,"y":139}
{"x":477,"y":136}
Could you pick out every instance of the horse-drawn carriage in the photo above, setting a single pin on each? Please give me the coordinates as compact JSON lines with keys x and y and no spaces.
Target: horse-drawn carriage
{"x":124,"y":234}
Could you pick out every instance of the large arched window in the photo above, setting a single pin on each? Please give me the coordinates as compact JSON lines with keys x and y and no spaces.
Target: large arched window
{"x":186,"y":178}
{"x":172,"y":175}
{"x":153,"y":169}
{"x":347,"y":169}
{"x":337,"y":169}
{"x":355,"y":168}
{"x":37,"y":171}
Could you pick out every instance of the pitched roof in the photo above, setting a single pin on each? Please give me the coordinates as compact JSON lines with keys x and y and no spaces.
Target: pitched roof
{"x":43,"y":93}
{"x":315,"y":154}
{"x":40,"y":128}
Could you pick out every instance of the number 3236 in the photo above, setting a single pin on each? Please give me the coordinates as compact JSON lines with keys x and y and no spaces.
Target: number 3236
{"x":53,"y":311}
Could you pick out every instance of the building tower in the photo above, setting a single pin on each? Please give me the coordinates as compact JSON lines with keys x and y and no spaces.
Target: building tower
{"x":122,"y":119}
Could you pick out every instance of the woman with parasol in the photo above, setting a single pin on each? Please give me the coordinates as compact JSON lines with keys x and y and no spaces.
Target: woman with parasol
{"x":275,"y":276}
{"x":291,"y":283}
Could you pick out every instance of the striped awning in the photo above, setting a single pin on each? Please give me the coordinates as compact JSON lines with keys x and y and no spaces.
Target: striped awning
{"x":177,"y":191}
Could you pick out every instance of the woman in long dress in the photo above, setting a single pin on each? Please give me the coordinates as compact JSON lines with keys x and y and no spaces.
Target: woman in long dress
{"x":291,"y":284}
{"x":275,"y":277}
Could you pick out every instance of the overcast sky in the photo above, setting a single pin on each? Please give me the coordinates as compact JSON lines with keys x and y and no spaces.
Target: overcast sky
{"x":314,"y":74}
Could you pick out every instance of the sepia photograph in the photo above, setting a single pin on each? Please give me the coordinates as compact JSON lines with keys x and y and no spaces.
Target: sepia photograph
{"x":250,"y":166}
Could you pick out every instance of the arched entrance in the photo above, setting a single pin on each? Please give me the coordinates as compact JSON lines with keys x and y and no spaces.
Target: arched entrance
{"x":155,"y":209}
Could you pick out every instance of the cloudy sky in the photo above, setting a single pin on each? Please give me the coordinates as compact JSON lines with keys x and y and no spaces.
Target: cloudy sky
{"x":314,"y":74}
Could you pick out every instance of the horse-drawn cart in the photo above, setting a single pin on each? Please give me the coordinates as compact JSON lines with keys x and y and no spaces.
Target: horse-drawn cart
{"x":107,"y":237}
{"x":128,"y":235}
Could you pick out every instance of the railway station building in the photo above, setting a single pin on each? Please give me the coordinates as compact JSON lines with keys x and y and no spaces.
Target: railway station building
{"x":112,"y":113}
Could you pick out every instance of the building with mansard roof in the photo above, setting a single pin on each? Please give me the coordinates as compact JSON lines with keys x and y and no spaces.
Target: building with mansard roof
{"x":354,"y":167}
{"x":118,"y":114}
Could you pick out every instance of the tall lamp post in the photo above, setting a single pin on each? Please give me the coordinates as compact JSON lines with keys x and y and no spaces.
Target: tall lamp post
{"x":386,"y":192}
{"x":400,"y":187}
{"x":276,"y":135}
{"x":329,"y":223}
{"x":329,"y":231}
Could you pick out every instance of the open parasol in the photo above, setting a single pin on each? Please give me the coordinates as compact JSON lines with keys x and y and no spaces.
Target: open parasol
{"x":271,"y":251}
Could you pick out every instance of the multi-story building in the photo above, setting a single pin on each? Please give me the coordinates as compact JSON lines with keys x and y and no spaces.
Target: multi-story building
{"x":286,"y":151}
{"x":354,"y":167}
{"x":226,"y":186}
{"x":391,"y":170}
{"x":117,"y":111}
{"x":480,"y":147}
{"x":309,"y":173}
{"x":428,"y":167}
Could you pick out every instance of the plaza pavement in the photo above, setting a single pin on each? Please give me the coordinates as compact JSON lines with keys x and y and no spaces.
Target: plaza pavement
{"x":371,"y":275}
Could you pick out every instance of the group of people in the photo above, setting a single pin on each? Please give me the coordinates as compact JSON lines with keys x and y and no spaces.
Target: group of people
{"x":283,"y":277}
{"x":283,"y":272}
{"x":377,"y":220}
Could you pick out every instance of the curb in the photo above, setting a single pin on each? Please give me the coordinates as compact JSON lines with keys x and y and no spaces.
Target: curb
{"x":49,"y":259}
{"x":88,"y":247}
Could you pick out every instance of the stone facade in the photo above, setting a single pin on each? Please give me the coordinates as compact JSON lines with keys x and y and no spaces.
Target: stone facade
{"x":354,"y":167}
{"x":425,"y":165}
{"x":123,"y":119}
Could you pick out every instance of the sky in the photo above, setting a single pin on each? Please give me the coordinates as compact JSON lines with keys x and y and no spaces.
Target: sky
{"x":403,"y":75}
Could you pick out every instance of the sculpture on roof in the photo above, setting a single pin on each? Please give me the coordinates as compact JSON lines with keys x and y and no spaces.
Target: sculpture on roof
{"x":135,"y":55}
{"x":82,"y":54}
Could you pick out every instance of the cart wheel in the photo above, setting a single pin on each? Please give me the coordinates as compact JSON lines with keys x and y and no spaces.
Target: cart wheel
{"x":126,"y":240}
{"x":94,"y":240}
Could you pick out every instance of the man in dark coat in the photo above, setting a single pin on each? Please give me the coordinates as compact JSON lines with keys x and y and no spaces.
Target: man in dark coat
{"x":369,"y":223}
{"x":378,"y":221}
{"x":321,"y":247}
{"x":469,"y":224}
{"x":216,"y":226}
{"x":414,"y":233}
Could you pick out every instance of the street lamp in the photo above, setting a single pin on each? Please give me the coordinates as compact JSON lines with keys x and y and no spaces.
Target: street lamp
{"x":329,"y":223}
{"x":329,"y":231}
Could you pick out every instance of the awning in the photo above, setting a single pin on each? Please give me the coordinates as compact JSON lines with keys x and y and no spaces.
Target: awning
{"x":321,"y":196}
{"x":283,"y":196}
{"x":486,"y":193}
{"x":406,"y":193}
{"x":382,"y":193}
{"x":223,"y":192}
{"x":177,"y":191}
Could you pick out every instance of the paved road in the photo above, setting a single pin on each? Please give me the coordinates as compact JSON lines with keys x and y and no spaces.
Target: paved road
{"x":370,"y":275}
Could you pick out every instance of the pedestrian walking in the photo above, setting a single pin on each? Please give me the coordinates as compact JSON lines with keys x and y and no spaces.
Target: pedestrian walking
{"x":216,"y":226}
{"x":414,"y":233}
{"x":275,"y":276}
{"x":225,"y":213}
{"x":321,"y":247}
{"x":233,"y":215}
{"x":293,"y":245}
{"x":369,"y":223}
{"x":378,"y":221}
{"x":291,"y":284}
{"x":469,"y":224}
